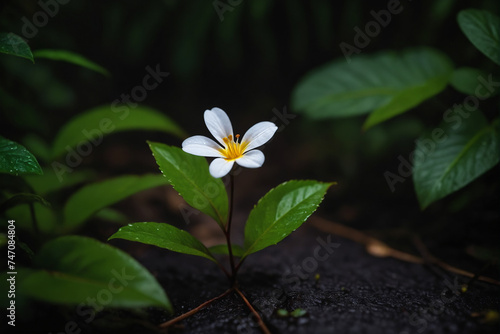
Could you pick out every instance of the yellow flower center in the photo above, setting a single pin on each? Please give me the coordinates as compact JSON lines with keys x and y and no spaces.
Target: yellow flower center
{"x":234,"y":149}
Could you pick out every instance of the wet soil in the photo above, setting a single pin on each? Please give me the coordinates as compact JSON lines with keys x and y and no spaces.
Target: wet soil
{"x":341,"y":288}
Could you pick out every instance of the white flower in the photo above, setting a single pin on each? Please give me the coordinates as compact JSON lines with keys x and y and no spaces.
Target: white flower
{"x":232,"y":148}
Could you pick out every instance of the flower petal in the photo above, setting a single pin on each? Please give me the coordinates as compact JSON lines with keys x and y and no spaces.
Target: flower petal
{"x":252,"y":159}
{"x":201,"y":145}
{"x":218,"y":124}
{"x":259,"y":134}
{"x":220,"y":167}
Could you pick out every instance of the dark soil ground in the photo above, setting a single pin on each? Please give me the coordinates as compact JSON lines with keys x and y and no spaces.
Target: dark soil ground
{"x":340,"y":286}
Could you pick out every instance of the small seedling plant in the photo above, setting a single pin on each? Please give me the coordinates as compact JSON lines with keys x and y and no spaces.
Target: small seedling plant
{"x":277,"y":214}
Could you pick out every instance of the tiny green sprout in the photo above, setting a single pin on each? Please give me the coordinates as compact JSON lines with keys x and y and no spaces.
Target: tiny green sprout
{"x":280,"y":212}
{"x":297,"y":313}
{"x":282,"y":313}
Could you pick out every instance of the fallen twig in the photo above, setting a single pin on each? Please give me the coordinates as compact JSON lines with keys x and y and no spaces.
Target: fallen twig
{"x":378,"y":248}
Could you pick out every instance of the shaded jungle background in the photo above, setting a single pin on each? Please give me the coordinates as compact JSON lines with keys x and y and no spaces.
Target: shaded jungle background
{"x":247,"y":57}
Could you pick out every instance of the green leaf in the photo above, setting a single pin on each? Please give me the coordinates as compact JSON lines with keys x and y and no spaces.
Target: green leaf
{"x":406,"y":100}
{"x":22,"y":198}
{"x":465,"y":80}
{"x":77,"y":270}
{"x":281,"y":211}
{"x":466,"y":149}
{"x":297,"y":313}
{"x":13,"y":44}
{"x":189,"y":175}
{"x":482,"y":28}
{"x":164,"y":236}
{"x":93,"y":197}
{"x":47,"y":221}
{"x":112,"y":215}
{"x":70,"y":57}
{"x":222,"y":249}
{"x":92,"y":125}
{"x":50,"y":182}
{"x":15,"y":159}
{"x":387,"y":83}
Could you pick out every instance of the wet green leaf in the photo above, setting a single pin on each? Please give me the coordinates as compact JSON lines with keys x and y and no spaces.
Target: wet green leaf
{"x":189,"y":175}
{"x":13,"y":44}
{"x":281,"y":211}
{"x":164,"y":236}
{"x":15,"y":159}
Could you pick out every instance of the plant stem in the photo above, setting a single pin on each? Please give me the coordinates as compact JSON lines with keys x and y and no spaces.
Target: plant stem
{"x":195,"y":310}
{"x":261,"y":323}
{"x":228,"y":230}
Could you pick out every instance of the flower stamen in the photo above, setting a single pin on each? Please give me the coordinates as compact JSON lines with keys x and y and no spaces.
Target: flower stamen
{"x":233,"y":148}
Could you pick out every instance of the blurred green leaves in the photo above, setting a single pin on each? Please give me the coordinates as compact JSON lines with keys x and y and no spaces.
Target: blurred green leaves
{"x":92,"y":125}
{"x":164,"y":236}
{"x":13,"y":44}
{"x":77,"y":270}
{"x":70,"y":57}
{"x":468,"y":149}
{"x":15,"y":159}
{"x":386,"y":84}
{"x":482,"y":28}
{"x":190,"y":176}
{"x":93,"y":197}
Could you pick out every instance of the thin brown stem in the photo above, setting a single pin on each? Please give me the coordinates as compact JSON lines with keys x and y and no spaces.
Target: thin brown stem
{"x":195,"y":310}
{"x":261,"y":323}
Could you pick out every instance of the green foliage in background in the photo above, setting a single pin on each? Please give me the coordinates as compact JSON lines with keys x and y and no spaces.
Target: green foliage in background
{"x":74,"y":269}
{"x":387,"y":84}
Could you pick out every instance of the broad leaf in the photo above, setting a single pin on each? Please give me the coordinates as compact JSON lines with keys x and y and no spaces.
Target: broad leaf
{"x":222,"y":249}
{"x":189,"y":175}
{"x":70,"y":57}
{"x":88,"y":128}
{"x":482,"y":28}
{"x":15,"y":159}
{"x":93,"y":197}
{"x":465,"y":80}
{"x":77,"y":270}
{"x":164,"y":236}
{"x":281,"y":211}
{"x":406,"y":100}
{"x":13,"y":44}
{"x":387,"y":83}
{"x":443,"y":164}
